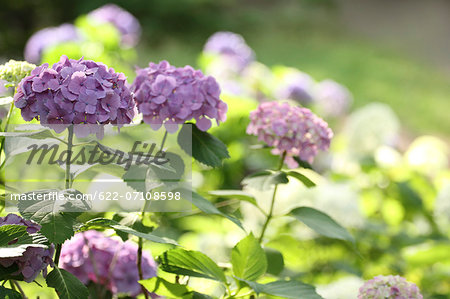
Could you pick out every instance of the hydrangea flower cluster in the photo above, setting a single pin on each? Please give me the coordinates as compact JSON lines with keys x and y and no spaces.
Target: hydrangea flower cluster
{"x":125,"y":22}
{"x":91,"y":256}
{"x":389,"y":287}
{"x":232,"y":46}
{"x":75,"y":92}
{"x":297,"y":86}
{"x":291,"y":129}
{"x":47,"y":38}
{"x":34,"y":259}
{"x":168,"y":95}
{"x":333,"y":98}
{"x":12,"y":72}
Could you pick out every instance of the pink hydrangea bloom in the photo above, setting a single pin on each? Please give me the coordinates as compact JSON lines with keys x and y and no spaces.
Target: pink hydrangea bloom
{"x":389,"y":287}
{"x":34,"y":259}
{"x":91,"y":256}
{"x":168,"y":95}
{"x":75,"y":92}
{"x":291,"y":129}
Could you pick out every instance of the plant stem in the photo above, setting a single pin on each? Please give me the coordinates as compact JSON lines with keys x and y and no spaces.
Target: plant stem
{"x":8,"y":118}
{"x":140,"y":240}
{"x":272,"y":204}
{"x":69,"y":157}
{"x":68,"y":181}
{"x":20,"y":289}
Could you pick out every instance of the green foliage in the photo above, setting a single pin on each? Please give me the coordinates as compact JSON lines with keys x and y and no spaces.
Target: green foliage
{"x":248,"y":259}
{"x":207,"y":207}
{"x":67,"y":286}
{"x":9,"y":294}
{"x":14,"y":240}
{"x":265,"y":180}
{"x":321,"y":223}
{"x":58,"y":216}
{"x":108,"y":223}
{"x":167,"y":289}
{"x":302,"y":178}
{"x":286,"y":289}
{"x":191,"y":263}
{"x":206,"y":148}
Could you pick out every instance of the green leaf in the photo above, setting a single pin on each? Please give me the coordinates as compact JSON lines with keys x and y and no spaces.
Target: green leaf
{"x":264,"y":180}
{"x":206,"y":148}
{"x":42,"y":134}
{"x":67,"y":286}
{"x":190,"y":263}
{"x":108,"y":223}
{"x":14,"y":240}
{"x":162,"y":287}
{"x":6,"y":100}
{"x":238,"y":194}
{"x":321,"y":223}
{"x":289,"y":289}
{"x":206,"y":206}
{"x":9,"y":294}
{"x":275,"y":261}
{"x":302,"y":178}
{"x":57,"y":217}
{"x":248,"y":259}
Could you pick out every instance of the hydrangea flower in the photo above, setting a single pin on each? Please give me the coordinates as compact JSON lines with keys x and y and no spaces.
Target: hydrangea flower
{"x":75,"y":92}
{"x":125,"y":22}
{"x":389,"y":287}
{"x":168,"y":95}
{"x":34,"y":259}
{"x":12,"y":72}
{"x":333,"y":98}
{"x":291,"y":129}
{"x":297,"y":86}
{"x":91,"y":256}
{"x":231,"y":46}
{"x":47,"y":38}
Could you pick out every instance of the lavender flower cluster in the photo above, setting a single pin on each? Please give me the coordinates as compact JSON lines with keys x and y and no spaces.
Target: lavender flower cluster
{"x":168,"y":95}
{"x":294,"y":130}
{"x":47,"y":38}
{"x":91,"y":256}
{"x":125,"y":22}
{"x":75,"y":92}
{"x":389,"y":287}
{"x":34,"y":259}
{"x":332,"y":98}
{"x":232,"y":46}
{"x":297,"y":86}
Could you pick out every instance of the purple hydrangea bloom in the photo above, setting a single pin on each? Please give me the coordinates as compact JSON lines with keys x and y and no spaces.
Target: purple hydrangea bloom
{"x":297,"y":86}
{"x":291,"y":129}
{"x":125,"y":22}
{"x":333,"y":98}
{"x":75,"y":92}
{"x":389,"y":287}
{"x":34,"y":259}
{"x":91,"y":256}
{"x":168,"y":95}
{"x":47,"y":38}
{"x":232,"y":46}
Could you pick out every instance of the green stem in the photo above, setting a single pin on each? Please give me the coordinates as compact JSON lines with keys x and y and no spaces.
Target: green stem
{"x":140,"y":240}
{"x":8,"y":119}
{"x":68,"y":181}
{"x":69,"y":157}
{"x":272,"y":204}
